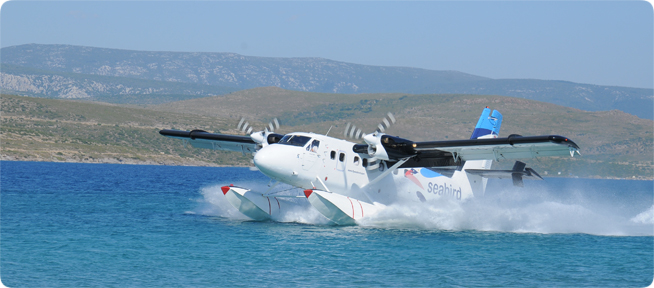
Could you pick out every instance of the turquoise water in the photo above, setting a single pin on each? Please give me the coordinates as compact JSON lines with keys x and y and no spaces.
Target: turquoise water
{"x":74,"y":225}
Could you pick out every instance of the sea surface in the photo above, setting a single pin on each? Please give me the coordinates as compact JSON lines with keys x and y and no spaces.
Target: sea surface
{"x":107,"y":225}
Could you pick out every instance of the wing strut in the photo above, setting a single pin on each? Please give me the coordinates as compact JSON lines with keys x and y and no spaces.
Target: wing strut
{"x":322,"y":183}
{"x":388,"y":171}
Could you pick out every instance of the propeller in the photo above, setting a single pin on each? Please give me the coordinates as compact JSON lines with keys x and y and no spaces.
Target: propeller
{"x":260,"y":137}
{"x":272,"y":125}
{"x":374,"y":149}
{"x":244,"y":126}
{"x":351,"y":130}
{"x":386,"y":123}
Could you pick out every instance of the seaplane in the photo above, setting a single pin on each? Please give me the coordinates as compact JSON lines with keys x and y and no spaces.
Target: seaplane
{"x":347,"y":181}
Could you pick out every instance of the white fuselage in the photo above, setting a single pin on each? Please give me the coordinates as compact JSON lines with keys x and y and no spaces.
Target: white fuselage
{"x":333,"y":166}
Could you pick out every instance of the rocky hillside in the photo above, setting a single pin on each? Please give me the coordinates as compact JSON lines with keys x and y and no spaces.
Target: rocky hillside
{"x":300,"y":74}
{"x":35,"y":82}
{"x":613,"y":144}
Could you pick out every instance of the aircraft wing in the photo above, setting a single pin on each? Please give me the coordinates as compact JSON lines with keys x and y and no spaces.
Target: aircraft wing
{"x":214,"y":141}
{"x":451,"y":153}
{"x":512,"y":147}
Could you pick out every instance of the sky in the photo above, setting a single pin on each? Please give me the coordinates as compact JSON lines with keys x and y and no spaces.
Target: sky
{"x":594,"y":42}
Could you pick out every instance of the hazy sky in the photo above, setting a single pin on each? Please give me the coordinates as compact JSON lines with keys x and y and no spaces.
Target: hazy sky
{"x":605,"y":43}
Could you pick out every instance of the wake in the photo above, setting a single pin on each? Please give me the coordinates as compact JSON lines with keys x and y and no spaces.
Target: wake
{"x":515,"y":210}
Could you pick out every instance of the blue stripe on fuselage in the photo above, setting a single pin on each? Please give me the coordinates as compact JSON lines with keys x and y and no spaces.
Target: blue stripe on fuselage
{"x":428,"y":173}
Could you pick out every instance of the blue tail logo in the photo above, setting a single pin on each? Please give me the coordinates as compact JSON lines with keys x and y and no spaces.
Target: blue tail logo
{"x":488,"y":124}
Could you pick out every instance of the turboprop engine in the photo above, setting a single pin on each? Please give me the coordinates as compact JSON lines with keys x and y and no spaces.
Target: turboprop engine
{"x":265,"y":137}
{"x":385,"y":147}
{"x":380,"y":146}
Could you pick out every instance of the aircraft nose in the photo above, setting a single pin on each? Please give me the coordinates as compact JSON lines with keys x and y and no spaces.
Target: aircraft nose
{"x":262,"y":159}
{"x":270,"y":162}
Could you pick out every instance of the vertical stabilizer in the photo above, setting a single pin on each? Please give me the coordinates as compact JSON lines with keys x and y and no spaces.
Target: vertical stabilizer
{"x":488,"y":124}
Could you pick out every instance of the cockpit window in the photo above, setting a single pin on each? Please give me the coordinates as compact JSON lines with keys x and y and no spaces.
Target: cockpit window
{"x":314,"y":145}
{"x":294,"y":140}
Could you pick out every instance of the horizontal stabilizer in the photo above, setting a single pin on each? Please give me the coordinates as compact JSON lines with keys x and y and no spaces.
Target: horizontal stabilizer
{"x":518,"y":173}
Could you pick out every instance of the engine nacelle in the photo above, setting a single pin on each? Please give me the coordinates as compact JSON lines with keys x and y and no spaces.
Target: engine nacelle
{"x":265,"y":138}
{"x":274,"y":138}
{"x":375,"y":148}
{"x":259,"y":137}
{"x":385,"y":147}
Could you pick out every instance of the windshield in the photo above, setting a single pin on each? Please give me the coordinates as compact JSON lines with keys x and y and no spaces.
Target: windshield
{"x":294,"y":140}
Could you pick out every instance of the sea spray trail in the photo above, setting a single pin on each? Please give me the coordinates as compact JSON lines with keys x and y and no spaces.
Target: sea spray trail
{"x":549,"y":206}
{"x":513,"y":212}
{"x":646,"y":217}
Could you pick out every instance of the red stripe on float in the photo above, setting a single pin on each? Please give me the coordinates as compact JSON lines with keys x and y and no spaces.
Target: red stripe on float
{"x":278,"y":206}
{"x":361,"y":208}
{"x":348,"y":198}
{"x":269,"y":208}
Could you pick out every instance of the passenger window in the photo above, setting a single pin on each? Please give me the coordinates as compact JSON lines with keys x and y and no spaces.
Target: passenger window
{"x":333,"y":155}
{"x":341,"y":157}
{"x":356,"y":160}
{"x":365,"y":162}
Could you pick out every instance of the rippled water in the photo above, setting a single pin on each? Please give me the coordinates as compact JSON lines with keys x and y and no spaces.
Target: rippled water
{"x":143,"y":226}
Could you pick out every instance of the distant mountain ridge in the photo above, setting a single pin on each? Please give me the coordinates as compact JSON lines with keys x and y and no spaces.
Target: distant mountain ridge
{"x":305,"y":74}
{"x":36,"y":82}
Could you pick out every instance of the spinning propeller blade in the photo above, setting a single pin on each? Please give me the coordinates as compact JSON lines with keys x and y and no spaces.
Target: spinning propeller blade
{"x":260,"y":137}
{"x":272,"y":126}
{"x":244,"y":126}
{"x":351,"y":131}
{"x":386,"y":122}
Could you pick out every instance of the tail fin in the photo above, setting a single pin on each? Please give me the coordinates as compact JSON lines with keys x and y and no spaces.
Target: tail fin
{"x":488,"y":124}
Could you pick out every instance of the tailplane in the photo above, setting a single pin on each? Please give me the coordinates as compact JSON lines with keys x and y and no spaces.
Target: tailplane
{"x":519,"y":172}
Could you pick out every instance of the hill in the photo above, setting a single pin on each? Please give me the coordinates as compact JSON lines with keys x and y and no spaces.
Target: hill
{"x":39,"y":129}
{"x":110,"y":89}
{"x":300,"y":74}
{"x":613,"y":143}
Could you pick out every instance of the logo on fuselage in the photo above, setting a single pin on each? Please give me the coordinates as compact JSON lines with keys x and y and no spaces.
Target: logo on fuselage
{"x":443,"y":189}
{"x":408,"y":173}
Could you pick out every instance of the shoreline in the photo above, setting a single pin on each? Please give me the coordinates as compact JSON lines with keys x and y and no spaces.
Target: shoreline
{"x":126,"y":161}
{"x":195,"y":163}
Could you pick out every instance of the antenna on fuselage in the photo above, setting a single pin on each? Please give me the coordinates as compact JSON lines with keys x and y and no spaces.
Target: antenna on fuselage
{"x":330,"y":129}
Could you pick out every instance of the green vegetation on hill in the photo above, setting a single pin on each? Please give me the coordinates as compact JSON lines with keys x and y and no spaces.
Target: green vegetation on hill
{"x":613,"y":143}
{"x":38,"y":129}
